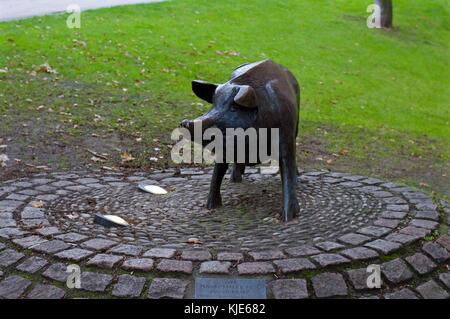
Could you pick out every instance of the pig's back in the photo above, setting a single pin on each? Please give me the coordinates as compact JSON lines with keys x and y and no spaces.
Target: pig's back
{"x":260,"y":74}
{"x":277,"y":90}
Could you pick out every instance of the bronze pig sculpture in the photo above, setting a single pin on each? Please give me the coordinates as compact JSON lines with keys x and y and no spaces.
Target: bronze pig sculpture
{"x":262,"y":94}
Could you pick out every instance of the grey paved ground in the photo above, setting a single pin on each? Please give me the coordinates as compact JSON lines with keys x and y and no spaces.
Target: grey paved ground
{"x":346,"y":223}
{"x":18,"y":9}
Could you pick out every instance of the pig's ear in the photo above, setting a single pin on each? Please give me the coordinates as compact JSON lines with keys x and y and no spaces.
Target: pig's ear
{"x":204,"y":90}
{"x":246,"y":96}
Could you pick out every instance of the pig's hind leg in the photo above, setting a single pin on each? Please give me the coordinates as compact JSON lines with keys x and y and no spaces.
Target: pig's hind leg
{"x":288,"y":177}
{"x":214,"y":198}
{"x":237,"y":172}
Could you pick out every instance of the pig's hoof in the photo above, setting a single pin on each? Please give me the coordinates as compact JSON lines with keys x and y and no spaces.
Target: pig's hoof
{"x":290,"y":211}
{"x":236,"y":178}
{"x":214,"y":203}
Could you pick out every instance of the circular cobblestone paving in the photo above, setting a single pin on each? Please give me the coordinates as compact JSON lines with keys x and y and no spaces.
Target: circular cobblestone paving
{"x":346,"y":222}
{"x":248,"y":219}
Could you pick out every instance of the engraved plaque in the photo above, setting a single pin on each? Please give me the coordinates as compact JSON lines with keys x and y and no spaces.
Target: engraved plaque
{"x":221,"y":288}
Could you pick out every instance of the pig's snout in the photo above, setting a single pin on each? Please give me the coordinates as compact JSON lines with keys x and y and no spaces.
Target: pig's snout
{"x":203,"y":122}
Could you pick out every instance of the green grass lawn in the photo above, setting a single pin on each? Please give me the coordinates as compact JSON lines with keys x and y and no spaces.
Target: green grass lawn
{"x":379,"y":95}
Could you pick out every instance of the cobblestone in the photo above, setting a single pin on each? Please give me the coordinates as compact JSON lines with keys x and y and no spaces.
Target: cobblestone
{"x":359,"y":253}
{"x":374,"y":231}
{"x":404,"y":293}
{"x":196,"y":255}
{"x":160,"y":253}
{"x":229,"y":256}
{"x":27,"y":242}
{"x":9,"y":257}
{"x":444,"y":241}
{"x":266,"y":255}
{"x":32,"y":264}
{"x":167,"y":288}
{"x":424,"y":223}
{"x":445,"y":279}
{"x":354,"y":239}
{"x":130,"y":250}
{"x":182,"y":266}
{"x":329,"y":246}
{"x":293,"y":265}
{"x":421,"y":263}
{"x":289,"y":289}
{"x":13,"y":287}
{"x":255,"y":268}
{"x":215,"y":267}
{"x":415,"y":231}
{"x":141,"y":264}
{"x":384,"y":246}
{"x":105,"y":260}
{"x":301,"y":251}
{"x":51,"y":247}
{"x":128,"y":286}
{"x":431,"y":290}
{"x":436,"y":251}
{"x":75,"y":254}
{"x":98,"y":244}
{"x":92,"y":281}
{"x":41,"y":291}
{"x":56,"y":272}
{"x":396,"y":271}
{"x":72,"y":237}
{"x":325,"y":260}
{"x":329,"y":285}
{"x":358,"y":278}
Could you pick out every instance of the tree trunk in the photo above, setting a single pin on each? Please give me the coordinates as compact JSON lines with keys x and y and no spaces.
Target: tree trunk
{"x":386,"y":13}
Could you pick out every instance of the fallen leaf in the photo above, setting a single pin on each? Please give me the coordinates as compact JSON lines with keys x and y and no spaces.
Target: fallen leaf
{"x":46,"y":68}
{"x":233,"y":53}
{"x":97,"y":159}
{"x":228,"y":52}
{"x":37,"y":204}
{"x":194,"y":241}
{"x":79,"y":43}
{"x":102,"y":156}
{"x":3,"y":159}
{"x":126,"y":157}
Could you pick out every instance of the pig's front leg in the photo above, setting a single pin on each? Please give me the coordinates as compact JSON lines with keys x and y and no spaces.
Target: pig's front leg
{"x":236,"y":174}
{"x":214,"y":198}
{"x":288,"y":178}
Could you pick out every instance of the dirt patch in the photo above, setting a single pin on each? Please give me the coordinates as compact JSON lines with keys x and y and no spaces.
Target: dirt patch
{"x":427,"y":173}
